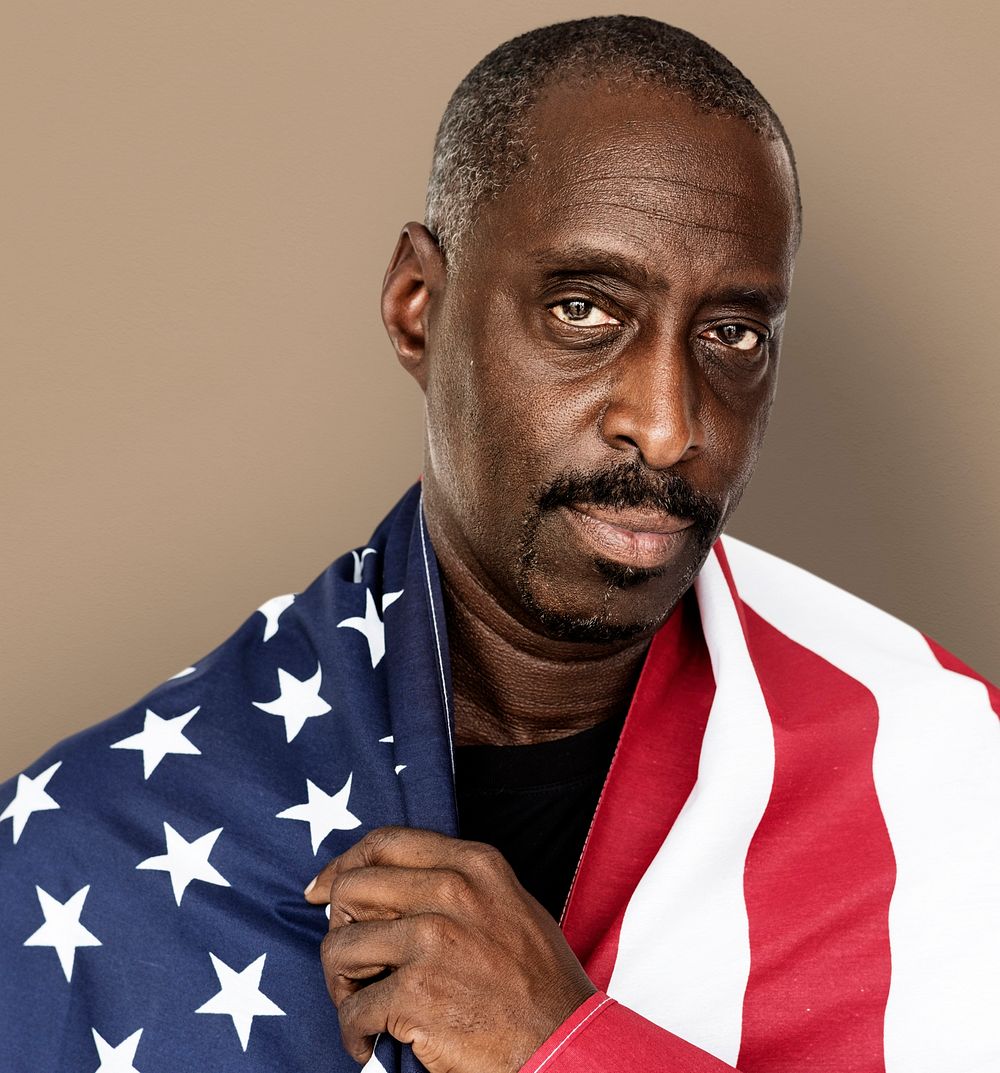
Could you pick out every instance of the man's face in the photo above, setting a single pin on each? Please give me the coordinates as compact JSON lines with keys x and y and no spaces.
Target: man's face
{"x":602,"y":362}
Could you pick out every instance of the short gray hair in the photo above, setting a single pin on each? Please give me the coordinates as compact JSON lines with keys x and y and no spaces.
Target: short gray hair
{"x":481,"y":142}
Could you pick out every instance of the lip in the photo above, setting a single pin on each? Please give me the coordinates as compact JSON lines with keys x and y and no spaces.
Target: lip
{"x":641,"y":539}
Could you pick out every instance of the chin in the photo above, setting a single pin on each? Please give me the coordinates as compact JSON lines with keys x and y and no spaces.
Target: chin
{"x":561,"y":627}
{"x":625,"y":605}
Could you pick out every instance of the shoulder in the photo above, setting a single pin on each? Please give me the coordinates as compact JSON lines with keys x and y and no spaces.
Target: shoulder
{"x":280,"y":696}
{"x":240,"y":720}
{"x":178,"y":835}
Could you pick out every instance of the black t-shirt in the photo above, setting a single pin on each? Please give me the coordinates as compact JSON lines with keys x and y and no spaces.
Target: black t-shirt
{"x":535,"y":803}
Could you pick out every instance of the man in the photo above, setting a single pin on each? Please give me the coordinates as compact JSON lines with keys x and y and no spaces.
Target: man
{"x":787,"y":864}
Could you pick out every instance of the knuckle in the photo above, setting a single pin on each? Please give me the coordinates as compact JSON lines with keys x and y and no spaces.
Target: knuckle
{"x":405,"y":1024}
{"x":330,"y":951}
{"x":381,"y":838}
{"x":454,"y":889}
{"x":341,"y":889}
{"x":340,"y":989}
{"x":483,"y":857}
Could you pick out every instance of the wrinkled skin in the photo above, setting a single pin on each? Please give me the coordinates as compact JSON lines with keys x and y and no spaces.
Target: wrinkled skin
{"x":426,"y":906}
{"x":598,"y":363}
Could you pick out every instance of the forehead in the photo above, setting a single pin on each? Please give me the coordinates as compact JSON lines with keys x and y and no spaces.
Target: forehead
{"x":639,"y":169}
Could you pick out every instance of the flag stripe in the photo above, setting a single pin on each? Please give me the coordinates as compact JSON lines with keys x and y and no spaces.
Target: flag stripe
{"x":819,"y":874}
{"x":684,"y":950}
{"x":935,"y":765}
{"x":651,"y":776}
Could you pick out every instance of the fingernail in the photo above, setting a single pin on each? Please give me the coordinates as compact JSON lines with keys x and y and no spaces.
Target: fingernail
{"x":312,"y":883}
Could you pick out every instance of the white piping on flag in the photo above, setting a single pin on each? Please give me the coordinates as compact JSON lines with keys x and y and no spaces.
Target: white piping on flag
{"x":443,"y":681}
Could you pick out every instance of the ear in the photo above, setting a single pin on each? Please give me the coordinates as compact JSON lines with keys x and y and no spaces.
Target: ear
{"x":414,"y":279}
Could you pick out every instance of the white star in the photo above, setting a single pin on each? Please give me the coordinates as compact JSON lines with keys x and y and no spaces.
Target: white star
{"x":159,"y":737}
{"x":271,"y":610}
{"x":240,"y":997}
{"x":118,"y":1059}
{"x":297,"y":701}
{"x":388,"y":737}
{"x":359,"y":563}
{"x":182,"y":674}
{"x":62,"y":929}
{"x":186,"y":861}
{"x":371,"y":625}
{"x":30,"y":797}
{"x":324,"y":812}
{"x":399,"y":768}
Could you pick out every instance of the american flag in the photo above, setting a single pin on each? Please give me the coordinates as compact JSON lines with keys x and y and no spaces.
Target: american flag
{"x":792,"y":866}
{"x":152,"y":867}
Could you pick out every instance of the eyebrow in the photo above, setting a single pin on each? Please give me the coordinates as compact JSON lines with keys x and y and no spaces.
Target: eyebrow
{"x":574,"y":260}
{"x":772,"y":300}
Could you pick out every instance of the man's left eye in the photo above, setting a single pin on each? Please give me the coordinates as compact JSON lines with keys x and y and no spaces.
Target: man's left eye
{"x":737,"y":336}
{"x":581,"y":313}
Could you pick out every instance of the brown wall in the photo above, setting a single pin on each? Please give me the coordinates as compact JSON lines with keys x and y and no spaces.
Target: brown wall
{"x":200,"y":410}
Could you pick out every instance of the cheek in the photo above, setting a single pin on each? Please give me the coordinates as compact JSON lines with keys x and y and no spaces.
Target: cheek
{"x":479,"y":435}
{"x":533,"y":418}
{"x":498,"y":422}
{"x":736,"y":434}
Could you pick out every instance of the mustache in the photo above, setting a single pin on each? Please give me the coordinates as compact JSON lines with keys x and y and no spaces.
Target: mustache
{"x":632,"y":485}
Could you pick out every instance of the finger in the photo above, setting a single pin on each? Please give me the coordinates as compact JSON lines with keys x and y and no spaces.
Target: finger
{"x":404,"y":847}
{"x":339,"y":987}
{"x":359,"y":951}
{"x":356,"y":1015}
{"x":391,"y":1005}
{"x":382,"y":892}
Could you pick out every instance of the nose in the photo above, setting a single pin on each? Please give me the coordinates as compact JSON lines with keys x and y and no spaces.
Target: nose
{"x":654,"y":404}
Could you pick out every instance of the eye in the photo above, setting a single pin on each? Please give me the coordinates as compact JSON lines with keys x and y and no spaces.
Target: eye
{"x":581,"y":313}
{"x":737,"y":336}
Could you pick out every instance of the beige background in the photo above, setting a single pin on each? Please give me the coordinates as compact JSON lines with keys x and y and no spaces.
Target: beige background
{"x":200,"y":410}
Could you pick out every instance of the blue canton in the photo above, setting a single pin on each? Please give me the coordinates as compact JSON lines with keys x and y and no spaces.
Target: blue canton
{"x":152,"y":867}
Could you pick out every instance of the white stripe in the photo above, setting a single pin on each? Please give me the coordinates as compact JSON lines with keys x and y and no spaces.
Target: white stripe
{"x":937,"y":776}
{"x":442,"y":680}
{"x":684,"y":948}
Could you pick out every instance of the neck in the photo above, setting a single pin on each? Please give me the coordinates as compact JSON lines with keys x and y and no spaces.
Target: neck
{"x":512,"y":685}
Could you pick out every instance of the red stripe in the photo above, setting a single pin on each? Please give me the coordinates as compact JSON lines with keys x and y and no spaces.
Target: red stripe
{"x":602,"y":1035}
{"x":651,"y":776}
{"x":819,"y":873}
{"x":953,"y":663}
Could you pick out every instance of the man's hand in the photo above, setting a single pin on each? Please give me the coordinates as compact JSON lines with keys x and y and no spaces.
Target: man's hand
{"x":471,"y":970}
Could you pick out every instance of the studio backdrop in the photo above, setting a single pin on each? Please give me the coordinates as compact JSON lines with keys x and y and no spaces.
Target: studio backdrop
{"x":201,"y":410}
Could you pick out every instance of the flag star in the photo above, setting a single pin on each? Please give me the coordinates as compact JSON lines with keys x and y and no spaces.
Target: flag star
{"x":399,"y":768}
{"x":240,"y":997}
{"x":182,"y":674}
{"x":272,"y":609}
{"x":297,"y":701}
{"x":118,"y":1059}
{"x":388,"y":737}
{"x":62,"y":929}
{"x":186,"y":861}
{"x":30,"y":797}
{"x":371,"y":625}
{"x":160,"y":737}
{"x":323,"y":812}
